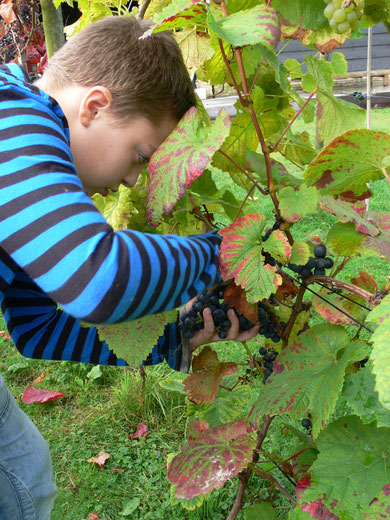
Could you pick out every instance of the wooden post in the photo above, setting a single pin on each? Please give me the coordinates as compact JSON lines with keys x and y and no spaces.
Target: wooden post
{"x":52,"y":26}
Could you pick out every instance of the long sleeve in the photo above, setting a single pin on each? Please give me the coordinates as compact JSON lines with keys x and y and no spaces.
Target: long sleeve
{"x":42,"y":331}
{"x":51,"y":229}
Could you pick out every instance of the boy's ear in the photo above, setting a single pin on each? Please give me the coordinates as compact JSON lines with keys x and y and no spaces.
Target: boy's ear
{"x":97,"y":100}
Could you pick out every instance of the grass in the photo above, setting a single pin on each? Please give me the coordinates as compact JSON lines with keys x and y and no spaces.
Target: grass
{"x":103,"y":407}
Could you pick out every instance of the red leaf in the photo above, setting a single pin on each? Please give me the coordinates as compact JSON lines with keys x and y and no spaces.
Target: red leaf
{"x":195,"y":429}
{"x":100,"y":459}
{"x":142,"y":431}
{"x":202,"y":386}
{"x":7,"y":11}
{"x":235,"y":297}
{"x":37,"y":395}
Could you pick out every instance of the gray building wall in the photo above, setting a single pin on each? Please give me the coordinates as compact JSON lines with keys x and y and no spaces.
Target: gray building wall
{"x":354,"y":50}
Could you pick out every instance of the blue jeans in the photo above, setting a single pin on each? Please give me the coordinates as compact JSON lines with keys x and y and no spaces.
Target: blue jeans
{"x":27,"y":488}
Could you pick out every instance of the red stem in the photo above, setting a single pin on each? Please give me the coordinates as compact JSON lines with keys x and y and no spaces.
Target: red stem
{"x":293,"y":120}
{"x":243,"y":204}
{"x":244,"y":172}
{"x":227,"y":64}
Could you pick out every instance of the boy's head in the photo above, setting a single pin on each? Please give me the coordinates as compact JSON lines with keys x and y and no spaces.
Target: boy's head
{"x":146,"y":78}
{"x":122,"y":97}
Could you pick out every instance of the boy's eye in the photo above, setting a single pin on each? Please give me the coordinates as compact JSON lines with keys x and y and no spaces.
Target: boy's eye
{"x":142,"y":158}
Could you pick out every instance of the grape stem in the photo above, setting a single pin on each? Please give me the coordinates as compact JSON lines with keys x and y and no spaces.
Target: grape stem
{"x":386,"y":175}
{"x":296,"y":310}
{"x":141,"y":13}
{"x":247,"y":175}
{"x":243,"y":203}
{"x":337,"y":284}
{"x":299,"y":112}
{"x":244,"y":476}
{"x":273,"y":481}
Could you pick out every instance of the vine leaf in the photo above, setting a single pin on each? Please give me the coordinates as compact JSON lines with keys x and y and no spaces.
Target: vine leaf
{"x":296,"y":204}
{"x":214,"y":457}
{"x":360,"y":394}
{"x":181,"y":159}
{"x":365,"y":281}
{"x":380,"y":506}
{"x":226,"y":407}
{"x":133,"y":340}
{"x":299,"y":12}
{"x":280,"y":174}
{"x":259,"y":25}
{"x":195,"y":14}
{"x":202,"y":385}
{"x":380,"y":351}
{"x":300,"y":253}
{"x":241,"y":258}
{"x":7,"y":12}
{"x":235,"y":297}
{"x":344,"y":240}
{"x":195,"y":48}
{"x":349,"y":162}
{"x":328,"y":312}
{"x":277,"y":246}
{"x":357,"y":456}
{"x":346,"y":212}
{"x":308,"y":375}
{"x":262,"y":510}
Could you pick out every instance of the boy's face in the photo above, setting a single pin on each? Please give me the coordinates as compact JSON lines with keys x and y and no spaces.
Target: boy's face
{"x":107,"y":155}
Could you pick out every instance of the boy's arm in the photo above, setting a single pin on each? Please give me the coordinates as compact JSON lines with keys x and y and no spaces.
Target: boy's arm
{"x":42,"y":331}
{"x":52,"y":230}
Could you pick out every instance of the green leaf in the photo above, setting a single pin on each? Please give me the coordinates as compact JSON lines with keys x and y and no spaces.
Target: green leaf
{"x":346,"y":212}
{"x":95,"y":373}
{"x":298,"y":149}
{"x":261,"y":510}
{"x":308,"y":82}
{"x":339,"y":64}
{"x":207,"y":373}
{"x":296,"y":204}
{"x":195,"y":14}
{"x":380,"y":351}
{"x":352,"y":467}
{"x":278,"y":246}
{"x":213,"y":458}
{"x":380,"y":506}
{"x":241,"y":258}
{"x":189,"y":504}
{"x":321,"y":72}
{"x":343,"y":114}
{"x":181,"y":159}
{"x":307,"y":15}
{"x":226,"y":407}
{"x":130,"y":506}
{"x":360,"y":394}
{"x":160,"y":12}
{"x":133,"y":340}
{"x":294,"y":68}
{"x":349,"y":162}
{"x":259,"y":25}
{"x":173,"y":383}
{"x":300,"y":253}
{"x":344,"y":240}
{"x":308,"y":375}
{"x":195,"y":48}
{"x":280,"y":176}
{"x":298,"y":514}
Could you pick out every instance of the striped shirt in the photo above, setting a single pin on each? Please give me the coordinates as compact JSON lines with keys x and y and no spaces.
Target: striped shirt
{"x":56,"y":249}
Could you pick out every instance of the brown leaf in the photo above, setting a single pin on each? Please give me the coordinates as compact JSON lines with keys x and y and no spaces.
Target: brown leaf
{"x":100,"y":459}
{"x":40,"y":378}
{"x":236,"y":298}
{"x":117,"y":468}
{"x":5,"y":335}
{"x":93,"y":516}
{"x":7,"y":11}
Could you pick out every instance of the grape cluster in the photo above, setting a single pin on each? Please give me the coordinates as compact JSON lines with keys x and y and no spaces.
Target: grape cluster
{"x":192,"y":321}
{"x":319,"y":263}
{"x":343,"y":15}
{"x":268,"y":360}
{"x":268,"y":259}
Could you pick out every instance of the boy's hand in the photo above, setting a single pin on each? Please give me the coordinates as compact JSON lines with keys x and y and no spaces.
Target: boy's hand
{"x":208,"y":334}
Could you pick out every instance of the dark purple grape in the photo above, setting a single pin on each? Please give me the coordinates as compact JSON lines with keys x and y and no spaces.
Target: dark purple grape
{"x":320,"y":251}
{"x":306,"y":423}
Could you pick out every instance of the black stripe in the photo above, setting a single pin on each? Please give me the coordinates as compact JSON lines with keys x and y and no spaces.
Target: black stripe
{"x":37,"y":129}
{"x":96,"y":350}
{"x":21,"y":111}
{"x":28,"y":199}
{"x":16,"y":302}
{"x":116,"y":291}
{"x":42,"y":168}
{"x":63,"y":338}
{"x":84,"y":274}
{"x":46,"y":338}
{"x":42,"y":224}
{"x":34,"y":151}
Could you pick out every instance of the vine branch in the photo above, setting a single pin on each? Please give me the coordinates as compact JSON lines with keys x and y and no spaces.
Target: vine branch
{"x":247,"y":175}
{"x":141,"y":13}
{"x":273,"y":481}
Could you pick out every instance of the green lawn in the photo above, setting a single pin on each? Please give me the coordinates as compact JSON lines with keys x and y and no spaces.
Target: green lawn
{"x":100,"y":414}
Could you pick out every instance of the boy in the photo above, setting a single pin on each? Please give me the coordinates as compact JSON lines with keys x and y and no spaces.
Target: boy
{"x":105,"y":103}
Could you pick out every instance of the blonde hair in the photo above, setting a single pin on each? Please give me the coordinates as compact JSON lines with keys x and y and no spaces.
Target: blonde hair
{"x":146,"y":77}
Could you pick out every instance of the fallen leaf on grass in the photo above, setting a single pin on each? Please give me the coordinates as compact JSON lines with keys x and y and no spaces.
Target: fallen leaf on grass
{"x":37,"y":395}
{"x":100,"y":459}
{"x":5,"y":335}
{"x":93,"y":516}
{"x":117,"y":468}
{"x":142,"y":431}
{"x":40,"y":378}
